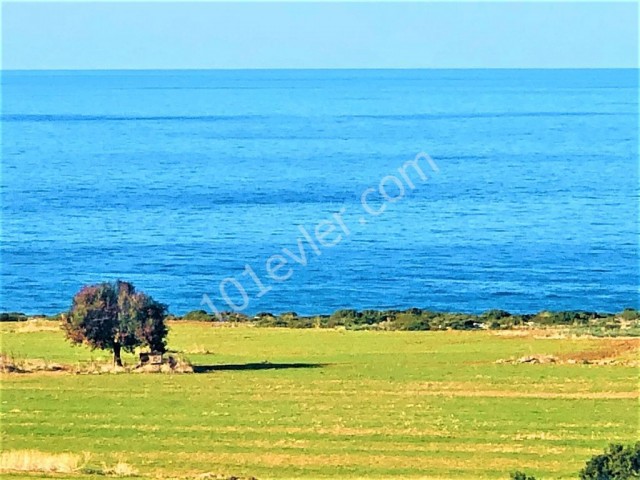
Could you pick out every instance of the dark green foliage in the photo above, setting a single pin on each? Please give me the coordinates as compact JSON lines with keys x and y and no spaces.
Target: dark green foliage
{"x":627,"y":322}
{"x":419,"y":319}
{"x":12,"y":317}
{"x":343,"y":317}
{"x":197,"y":316}
{"x":521,"y":476}
{"x":266,"y":319}
{"x":372,"y":317}
{"x":630,"y":314}
{"x":232,"y":317}
{"x":616,"y":463}
{"x":495,"y":315}
{"x":114,"y":316}
{"x":203,"y":316}
{"x":346,"y":314}
{"x":409,"y":321}
{"x":566,"y":318}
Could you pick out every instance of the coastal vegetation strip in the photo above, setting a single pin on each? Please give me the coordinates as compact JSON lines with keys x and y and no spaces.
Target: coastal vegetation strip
{"x":626,"y":322}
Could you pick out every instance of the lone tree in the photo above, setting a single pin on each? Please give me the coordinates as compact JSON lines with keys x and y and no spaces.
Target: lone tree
{"x":114,"y":316}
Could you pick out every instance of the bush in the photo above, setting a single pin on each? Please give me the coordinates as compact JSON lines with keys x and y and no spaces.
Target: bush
{"x":343,"y":317}
{"x":566,"y":317}
{"x":232,"y":317}
{"x":371,"y":317}
{"x":197,"y":316}
{"x":618,"y":463}
{"x":12,"y":317}
{"x":521,"y":476}
{"x":412,"y":322}
{"x":495,"y":315}
{"x":630,"y":314}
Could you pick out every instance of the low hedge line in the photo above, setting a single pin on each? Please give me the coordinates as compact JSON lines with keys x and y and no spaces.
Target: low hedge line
{"x":419,"y":319}
{"x":410,"y":319}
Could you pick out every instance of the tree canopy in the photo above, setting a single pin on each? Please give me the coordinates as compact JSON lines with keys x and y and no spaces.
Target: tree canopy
{"x":113,"y":316}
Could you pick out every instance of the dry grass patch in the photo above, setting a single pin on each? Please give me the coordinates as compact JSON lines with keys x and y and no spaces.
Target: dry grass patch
{"x":613,"y":351}
{"x":10,"y":364}
{"x":35,"y":325}
{"x":609,"y":350}
{"x":120,"y":469}
{"x":198,"y":350}
{"x":35,"y":461}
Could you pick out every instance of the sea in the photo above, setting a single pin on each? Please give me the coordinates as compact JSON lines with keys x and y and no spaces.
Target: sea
{"x":309,"y":191}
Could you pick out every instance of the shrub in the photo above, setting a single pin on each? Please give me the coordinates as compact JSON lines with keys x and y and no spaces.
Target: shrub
{"x":616,"y":463}
{"x":197,"y":316}
{"x":495,"y":314}
{"x":265,"y":319}
{"x":343,"y":317}
{"x":409,"y":321}
{"x":372,"y":317}
{"x":232,"y":317}
{"x":630,"y":314}
{"x":521,"y":476}
{"x":12,"y":317}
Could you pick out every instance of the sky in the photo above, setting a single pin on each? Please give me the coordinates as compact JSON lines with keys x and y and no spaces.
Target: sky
{"x":172,"y":35}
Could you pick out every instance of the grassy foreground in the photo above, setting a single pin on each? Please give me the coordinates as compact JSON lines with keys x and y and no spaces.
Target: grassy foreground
{"x":333,"y":403}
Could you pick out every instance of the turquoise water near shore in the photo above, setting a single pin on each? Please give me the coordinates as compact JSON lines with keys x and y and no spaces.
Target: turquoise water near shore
{"x":176,"y":180}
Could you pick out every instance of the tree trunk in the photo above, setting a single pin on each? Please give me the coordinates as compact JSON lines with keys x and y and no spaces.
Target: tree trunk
{"x":116,"y":354}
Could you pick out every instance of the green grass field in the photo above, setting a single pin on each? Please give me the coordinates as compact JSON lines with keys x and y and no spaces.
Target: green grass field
{"x":341,"y":404}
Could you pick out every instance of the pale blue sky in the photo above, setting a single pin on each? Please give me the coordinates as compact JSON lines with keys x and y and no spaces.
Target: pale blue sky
{"x":311,"y":35}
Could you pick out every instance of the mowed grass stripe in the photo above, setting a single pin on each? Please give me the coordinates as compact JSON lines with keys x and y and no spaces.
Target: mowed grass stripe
{"x":463,"y":389}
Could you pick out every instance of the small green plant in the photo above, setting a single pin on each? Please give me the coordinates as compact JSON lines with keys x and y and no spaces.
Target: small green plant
{"x":521,"y":476}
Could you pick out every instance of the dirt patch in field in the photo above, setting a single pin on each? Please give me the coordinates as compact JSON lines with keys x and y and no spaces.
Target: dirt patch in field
{"x":608,"y":351}
{"x":214,"y":476}
{"x":625,"y":352}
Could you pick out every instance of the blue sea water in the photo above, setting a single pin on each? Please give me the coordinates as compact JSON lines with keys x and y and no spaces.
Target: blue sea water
{"x":176,"y":180}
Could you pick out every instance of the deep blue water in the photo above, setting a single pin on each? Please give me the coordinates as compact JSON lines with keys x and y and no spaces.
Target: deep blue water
{"x":176,"y":180}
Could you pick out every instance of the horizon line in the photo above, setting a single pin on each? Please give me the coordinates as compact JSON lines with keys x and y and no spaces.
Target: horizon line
{"x":124,"y":69}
